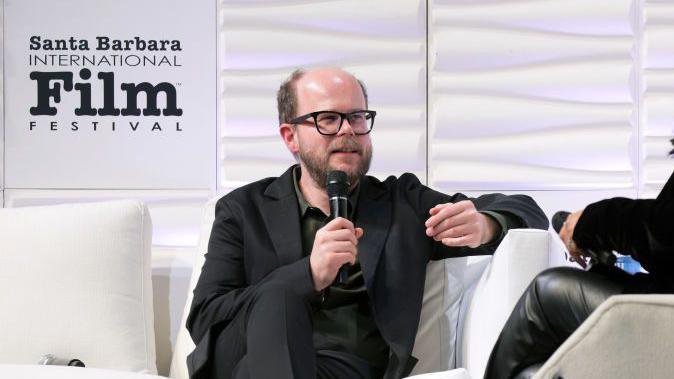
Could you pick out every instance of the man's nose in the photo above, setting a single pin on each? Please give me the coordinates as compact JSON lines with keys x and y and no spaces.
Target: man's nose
{"x":346,"y":128}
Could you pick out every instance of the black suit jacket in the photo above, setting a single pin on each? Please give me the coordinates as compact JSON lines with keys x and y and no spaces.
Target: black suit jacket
{"x":256,"y":238}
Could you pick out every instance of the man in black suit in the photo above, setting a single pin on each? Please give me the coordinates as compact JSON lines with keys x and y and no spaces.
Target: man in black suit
{"x":265,"y":305}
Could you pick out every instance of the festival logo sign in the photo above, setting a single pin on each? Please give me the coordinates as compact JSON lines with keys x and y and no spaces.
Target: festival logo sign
{"x":111,"y":94}
{"x":100,"y":54}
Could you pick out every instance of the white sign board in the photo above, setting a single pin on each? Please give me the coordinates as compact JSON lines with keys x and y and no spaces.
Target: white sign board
{"x":110,"y":94}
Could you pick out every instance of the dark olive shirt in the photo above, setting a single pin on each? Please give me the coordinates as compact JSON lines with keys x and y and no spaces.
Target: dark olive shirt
{"x":343,"y":321}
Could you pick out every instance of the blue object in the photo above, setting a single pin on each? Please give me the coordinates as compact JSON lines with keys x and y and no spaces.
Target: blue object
{"x":628,"y":264}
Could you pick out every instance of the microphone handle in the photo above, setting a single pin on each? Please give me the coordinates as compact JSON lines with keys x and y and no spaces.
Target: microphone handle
{"x":339,"y":208}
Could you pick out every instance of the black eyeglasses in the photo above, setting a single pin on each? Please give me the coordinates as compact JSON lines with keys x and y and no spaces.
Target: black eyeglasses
{"x":328,"y":123}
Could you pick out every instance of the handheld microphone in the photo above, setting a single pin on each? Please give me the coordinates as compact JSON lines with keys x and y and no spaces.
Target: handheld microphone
{"x":50,"y":359}
{"x":338,"y":189}
{"x":602,"y":256}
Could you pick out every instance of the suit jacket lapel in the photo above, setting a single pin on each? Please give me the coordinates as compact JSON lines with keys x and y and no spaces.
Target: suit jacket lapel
{"x":281,"y":215}
{"x":374,"y":216}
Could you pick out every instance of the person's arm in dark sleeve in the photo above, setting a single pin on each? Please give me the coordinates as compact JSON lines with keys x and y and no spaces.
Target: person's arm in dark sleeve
{"x":516,"y":211}
{"x":222,"y":289}
{"x":641,"y":228}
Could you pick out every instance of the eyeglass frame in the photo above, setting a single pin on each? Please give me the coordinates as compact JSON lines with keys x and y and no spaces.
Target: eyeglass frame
{"x":342,"y":117}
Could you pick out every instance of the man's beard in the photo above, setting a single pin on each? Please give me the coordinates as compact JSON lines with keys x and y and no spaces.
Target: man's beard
{"x":318,"y":166}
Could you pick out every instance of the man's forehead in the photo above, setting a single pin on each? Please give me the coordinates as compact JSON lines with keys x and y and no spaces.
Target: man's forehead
{"x":328,"y":89}
{"x":325,"y":83}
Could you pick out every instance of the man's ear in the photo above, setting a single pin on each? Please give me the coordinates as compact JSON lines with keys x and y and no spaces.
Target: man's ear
{"x":288,"y":134}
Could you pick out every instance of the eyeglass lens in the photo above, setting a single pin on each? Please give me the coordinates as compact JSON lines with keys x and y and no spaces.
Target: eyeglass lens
{"x":329,"y":122}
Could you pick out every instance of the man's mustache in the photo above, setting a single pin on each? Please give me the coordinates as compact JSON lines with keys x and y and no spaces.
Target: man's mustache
{"x":346,"y":145}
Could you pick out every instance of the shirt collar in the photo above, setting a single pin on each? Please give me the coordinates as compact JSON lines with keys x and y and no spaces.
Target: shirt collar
{"x":304,"y":205}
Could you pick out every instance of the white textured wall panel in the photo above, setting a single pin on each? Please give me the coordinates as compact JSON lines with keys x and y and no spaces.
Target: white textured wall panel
{"x":659,"y":46}
{"x":598,"y":17}
{"x":382,"y":42}
{"x":657,"y":108}
{"x":531,"y":95}
{"x":464,"y":48}
{"x":571,"y":81}
{"x":176,"y":215}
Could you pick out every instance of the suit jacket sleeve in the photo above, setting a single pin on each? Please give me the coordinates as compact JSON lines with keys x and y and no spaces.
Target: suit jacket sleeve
{"x":520,"y":211}
{"x":641,"y":228}
{"x":222,"y":289}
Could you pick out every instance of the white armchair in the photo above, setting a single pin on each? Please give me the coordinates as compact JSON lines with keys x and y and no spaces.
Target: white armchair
{"x":449,"y":303}
{"x":628,"y":336}
{"x":490,"y":288}
{"x":76,"y":283}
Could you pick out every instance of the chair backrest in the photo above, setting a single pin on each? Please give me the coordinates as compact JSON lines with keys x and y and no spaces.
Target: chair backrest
{"x":519,"y":258}
{"x":76,"y":283}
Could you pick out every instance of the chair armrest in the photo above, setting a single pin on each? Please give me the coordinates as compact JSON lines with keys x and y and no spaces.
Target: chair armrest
{"x":628,"y":336}
{"x":519,"y":258}
{"x":184,"y":344}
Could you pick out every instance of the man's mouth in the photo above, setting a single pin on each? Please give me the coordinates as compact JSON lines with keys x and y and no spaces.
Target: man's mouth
{"x":345,"y":151}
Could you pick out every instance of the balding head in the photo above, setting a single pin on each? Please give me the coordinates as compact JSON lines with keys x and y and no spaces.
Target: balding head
{"x":317,"y":82}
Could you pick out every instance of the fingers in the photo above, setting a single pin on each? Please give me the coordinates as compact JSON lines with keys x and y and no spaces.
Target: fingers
{"x":443,"y":211}
{"x":459,"y":224}
{"x":457,"y":221}
{"x":340,"y":259}
{"x":328,"y":233}
{"x":469,"y":240}
{"x":457,"y":231}
{"x":338,"y":223}
{"x":334,"y":246}
{"x":339,"y":247}
{"x":339,"y":235}
{"x":449,"y":216}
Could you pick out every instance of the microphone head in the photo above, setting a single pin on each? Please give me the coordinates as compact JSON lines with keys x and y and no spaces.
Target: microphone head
{"x":338,"y":184}
{"x":558,"y":220}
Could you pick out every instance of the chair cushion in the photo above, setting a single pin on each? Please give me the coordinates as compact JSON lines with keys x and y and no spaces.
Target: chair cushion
{"x":76,"y":284}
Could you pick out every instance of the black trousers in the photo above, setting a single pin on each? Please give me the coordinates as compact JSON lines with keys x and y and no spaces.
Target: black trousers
{"x":552,"y":307}
{"x":272,"y":338}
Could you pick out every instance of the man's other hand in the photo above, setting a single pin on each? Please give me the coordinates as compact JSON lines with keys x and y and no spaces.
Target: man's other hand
{"x":460,"y":224}
{"x":334,"y":245}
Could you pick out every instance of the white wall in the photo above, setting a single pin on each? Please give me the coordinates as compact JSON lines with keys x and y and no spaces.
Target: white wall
{"x":567,"y":100}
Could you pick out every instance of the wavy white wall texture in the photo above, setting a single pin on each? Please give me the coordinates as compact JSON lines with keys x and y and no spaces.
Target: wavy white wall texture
{"x":562,"y":99}
{"x":383,"y":42}
{"x":657,"y":111}
{"x":530,"y":95}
